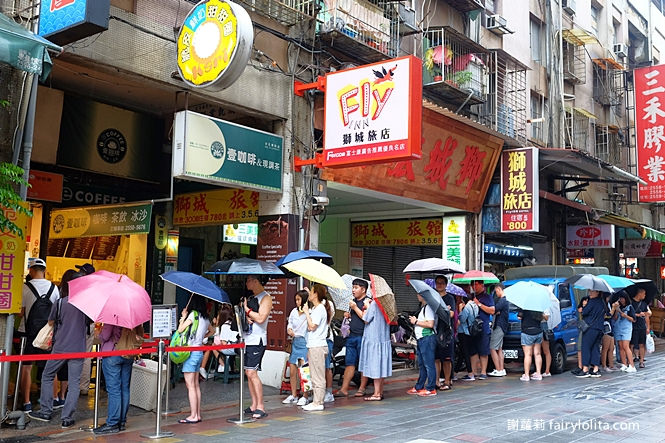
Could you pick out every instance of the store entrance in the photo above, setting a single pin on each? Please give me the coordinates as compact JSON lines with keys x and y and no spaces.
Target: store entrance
{"x":190,"y":257}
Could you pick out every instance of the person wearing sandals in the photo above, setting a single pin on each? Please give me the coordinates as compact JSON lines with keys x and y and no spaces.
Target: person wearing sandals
{"x":376,"y":351}
{"x":190,"y":368}
{"x":355,"y":338}
{"x":297,"y":329}
{"x":445,"y":354}
{"x":531,"y":339}
{"x":317,"y":344}
{"x":624,"y":319}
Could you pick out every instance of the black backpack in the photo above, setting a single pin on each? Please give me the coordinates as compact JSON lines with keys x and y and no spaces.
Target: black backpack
{"x":444,"y":332}
{"x":476,"y":327}
{"x":39,"y":312}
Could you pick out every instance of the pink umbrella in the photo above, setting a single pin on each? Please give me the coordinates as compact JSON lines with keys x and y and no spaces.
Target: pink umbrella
{"x":111,"y":298}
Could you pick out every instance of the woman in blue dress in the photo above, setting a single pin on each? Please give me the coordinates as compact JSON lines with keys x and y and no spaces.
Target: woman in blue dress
{"x":375,"y":351}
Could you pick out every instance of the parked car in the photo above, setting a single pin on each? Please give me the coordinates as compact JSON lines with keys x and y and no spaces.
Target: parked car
{"x":566,"y":333}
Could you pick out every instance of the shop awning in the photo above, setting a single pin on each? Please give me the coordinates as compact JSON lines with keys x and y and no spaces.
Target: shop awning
{"x":619,"y":220}
{"x":564,"y":201}
{"x":584,"y":112}
{"x":578,"y":37}
{"x":607,"y":63}
{"x":573,"y":164}
{"x":653,"y":234}
{"x":25,"y":50}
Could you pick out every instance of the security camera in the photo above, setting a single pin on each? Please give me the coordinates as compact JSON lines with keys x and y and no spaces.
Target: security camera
{"x":320,"y":201}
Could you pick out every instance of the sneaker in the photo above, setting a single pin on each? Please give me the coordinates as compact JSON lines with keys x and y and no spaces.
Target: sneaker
{"x":122,"y":426}
{"x":468,"y":378}
{"x":454,"y":378}
{"x":631,"y":370}
{"x":426,"y":393}
{"x":594,"y":374}
{"x":482,"y":377}
{"x":576,"y":371}
{"x":536,"y":377}
{"x":203,"y":373}
{"x":106,"y":429}
{"x":547,"y":374}
{"x":67,"y":423}
{"x":289,"y":400}
{"x":524,"y":377}
{"x":495,"y":373}
{"x":57,"y":403}
{"x":583,"y":374}
{"x":302,"y":401}
{"x":27,"y":407}
{"x":329,"y":398}
{"x":312,"y":407}
{"x":39,"y":415}
{"x":220,"y":368}
{"x":413,"y":391}
{"x":623,"y":367}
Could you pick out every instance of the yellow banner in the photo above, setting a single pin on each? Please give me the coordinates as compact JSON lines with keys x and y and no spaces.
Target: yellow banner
{"x":423,"y":232}
{"x":223,"y":206}
{"x":12,"y":264}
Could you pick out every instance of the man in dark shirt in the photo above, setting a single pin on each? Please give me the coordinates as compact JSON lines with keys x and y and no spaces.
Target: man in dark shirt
{"x":485,"y":305}
{"x":444,"y":354}
{"x":639,"y":337}
{"x":355,"y":338}
{"x":500,"y":327}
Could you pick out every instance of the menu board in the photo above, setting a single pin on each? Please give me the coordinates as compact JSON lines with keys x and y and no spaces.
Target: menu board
{"x":106,"y":247}
{"x":80,"y":247}
{"x":162,"y":321}
{"x":56,"y":247}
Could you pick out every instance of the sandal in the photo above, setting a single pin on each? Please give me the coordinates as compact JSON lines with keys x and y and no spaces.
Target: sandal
{"x":374,"y":398}
{"x":445,"y":388}
{"x":248,"y":410}
{"x":186,"y":421}
{"x":359,"y":393}
{"x":340,"y":394}
{"x":259,"y":414}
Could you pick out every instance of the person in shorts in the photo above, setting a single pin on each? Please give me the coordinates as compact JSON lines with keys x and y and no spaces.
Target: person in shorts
{"x":355,"y":338}
{"x":485,"y":304}
{"x":297,"y":331}
{"x":531,"y":339}
{"x":255,"y":341}
{"x":499,"y":329}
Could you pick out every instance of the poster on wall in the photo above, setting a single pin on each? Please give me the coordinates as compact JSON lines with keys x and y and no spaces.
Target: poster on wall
{"x":454,"y":239}
{"x":12,"y":264}
{"x":519,"y":190}
{"x":356,"y":262}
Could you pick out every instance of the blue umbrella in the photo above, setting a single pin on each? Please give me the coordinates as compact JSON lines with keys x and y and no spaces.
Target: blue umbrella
{"x":244,"y":266}
{"x":298,"y":255}
{"x":455,"y":290}
{"x":529,"y":296}
{"x":616,"y":282}
{"x":432,"y":298}
{"x":197,"y":284}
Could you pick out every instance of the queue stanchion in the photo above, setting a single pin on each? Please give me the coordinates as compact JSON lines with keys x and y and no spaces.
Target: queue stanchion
{"x":18,"y":374}
{"x":158,"y":432}
{"x":98,"y":385}
{"x":168,"y":411}
{"x":241,"y":413}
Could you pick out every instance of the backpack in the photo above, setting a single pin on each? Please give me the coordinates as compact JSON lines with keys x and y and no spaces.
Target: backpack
{"x":444,"y":332}
{"x":39,"y":312}
{"x":476,"y":327}
{"x":128,"y":341}
{"x":182,"y":339}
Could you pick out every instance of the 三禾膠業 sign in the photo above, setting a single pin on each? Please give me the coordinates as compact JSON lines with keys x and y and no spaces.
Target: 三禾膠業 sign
{"x":373,"y":113}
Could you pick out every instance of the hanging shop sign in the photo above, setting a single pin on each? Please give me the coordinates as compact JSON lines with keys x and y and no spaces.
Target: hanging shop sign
{"x":45,"y":186}
{"x":214,"y":44}
{"x":211,"y":150}
{"x":590,"y":236}
{"x":650,"y":132}
{"x":216,"y":207}
{"x":519,"y":190}
{"x":423,"y":232}
{"x":93,"y":221}
{"x":642,"y":248}
{"x":66,"y":21}
{"x":373,"y":113}
{"x":12,"y":263}
{"x":455,"y":170}
{"x":454,"y":239}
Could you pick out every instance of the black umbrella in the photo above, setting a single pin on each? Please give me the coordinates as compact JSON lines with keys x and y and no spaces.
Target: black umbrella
{"x":244,"y":266}
{"x":648,"y":285}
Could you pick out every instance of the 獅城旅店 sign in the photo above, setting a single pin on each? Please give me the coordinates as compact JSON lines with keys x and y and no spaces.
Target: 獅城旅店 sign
{"x":373,"y":113}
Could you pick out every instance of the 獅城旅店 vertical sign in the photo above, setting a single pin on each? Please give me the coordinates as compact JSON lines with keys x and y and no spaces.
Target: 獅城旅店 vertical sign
{"x":519,"y":190}
{"x":373,"y":113}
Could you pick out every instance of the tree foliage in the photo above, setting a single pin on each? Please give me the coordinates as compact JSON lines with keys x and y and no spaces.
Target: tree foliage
{"x":10,"y":176}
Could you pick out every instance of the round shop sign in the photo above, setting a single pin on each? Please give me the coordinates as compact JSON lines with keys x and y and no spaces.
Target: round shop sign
{"x":214,"y":44}
{"x":111,"y":145}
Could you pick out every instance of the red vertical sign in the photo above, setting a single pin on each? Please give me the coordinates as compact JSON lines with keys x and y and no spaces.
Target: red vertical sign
{"x":519,"y":190}
{"x":649,"y":128}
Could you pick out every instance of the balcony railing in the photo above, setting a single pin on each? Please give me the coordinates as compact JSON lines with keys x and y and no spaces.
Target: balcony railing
{"x":362,"y":30}
{"x":287,"y":12}
{"x":454,"y":67}
{"x":466,"y":5}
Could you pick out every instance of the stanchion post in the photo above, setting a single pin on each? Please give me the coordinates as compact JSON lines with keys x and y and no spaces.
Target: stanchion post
{"x":158,"y":432}
{"x":98,"y":375}
{"x":241,"y":413}
{"x":168,"y":411}
{"x":18,"y":374}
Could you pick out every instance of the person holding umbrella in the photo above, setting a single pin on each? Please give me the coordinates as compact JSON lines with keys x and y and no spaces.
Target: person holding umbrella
{"x":485,"y":304}
{"x":255,"y":341}
{"x":593,"y":315}
{"x":424,"y":329}
{"x":531,"y":339}
{"x":297,"y":331}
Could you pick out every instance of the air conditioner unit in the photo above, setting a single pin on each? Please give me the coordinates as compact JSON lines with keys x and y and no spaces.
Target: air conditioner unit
{"x":495,"y":21}
{"x":568,"y":6}
{"x":620,"y":50}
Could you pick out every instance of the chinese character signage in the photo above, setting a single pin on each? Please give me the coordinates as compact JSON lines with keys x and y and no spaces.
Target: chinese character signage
{"x":519,"y":190}
{"x":241,"y":233}
{"x":45,"y":186}
{"x":211,"y":150}
{"x":454,"y":239}
{"x":373,"y":113}
{"x":650,"y":134}
{"x":92,"y":221}
{"x":66,"y":21}
{"x":12,"y":257}
{"x":455,"y":170}
{"x":422,"y":232}
{"x":590,"y":236}
{"x":214,"y":44}
{"x":216,"y":207}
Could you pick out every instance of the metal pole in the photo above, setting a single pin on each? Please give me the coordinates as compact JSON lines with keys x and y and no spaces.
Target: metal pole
{"x":168,"y":411}
{"x":18,"y":374}
{"x":158,"y":432}
{"x":98,"y":370}
{"x":241,"y":414}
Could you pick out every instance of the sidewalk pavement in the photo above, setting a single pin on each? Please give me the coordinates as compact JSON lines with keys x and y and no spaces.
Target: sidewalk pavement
{"x":616,"y":407}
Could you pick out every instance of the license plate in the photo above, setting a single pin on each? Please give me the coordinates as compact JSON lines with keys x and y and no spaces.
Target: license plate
{"x":510,"y":353}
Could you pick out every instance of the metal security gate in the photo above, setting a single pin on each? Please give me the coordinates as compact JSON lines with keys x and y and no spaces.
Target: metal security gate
{"x":388,"y":262}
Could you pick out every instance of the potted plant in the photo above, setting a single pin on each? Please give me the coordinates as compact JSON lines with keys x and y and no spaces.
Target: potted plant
{"x":462,"y":78}
{"x":433,"y":67}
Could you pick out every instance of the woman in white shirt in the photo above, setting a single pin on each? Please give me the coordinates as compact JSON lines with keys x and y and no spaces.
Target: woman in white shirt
{"x":317,"y":345}
{"x":190,"y":368}
{"x":297,"y":329}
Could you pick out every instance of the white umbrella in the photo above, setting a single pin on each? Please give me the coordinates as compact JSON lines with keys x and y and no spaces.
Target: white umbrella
{"x":590,"y":282}
{"x":434,"y":265}
{"x":554,"y":311}
{"x":342,"y":297}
